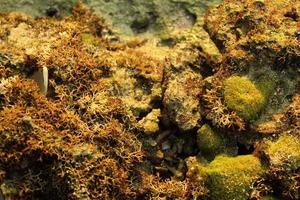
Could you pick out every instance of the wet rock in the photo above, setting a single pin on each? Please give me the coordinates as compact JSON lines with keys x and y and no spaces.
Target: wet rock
{"x":181,"y":100}
{"x":150,"y":123}
{"x":210,"y":143}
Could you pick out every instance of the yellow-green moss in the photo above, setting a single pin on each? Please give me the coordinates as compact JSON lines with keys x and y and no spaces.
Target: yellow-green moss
{"x":8,"y":189}
{"x":231,"y":177}
{"x":88,"y":39}
{"x":242,"y":96}
{"x":269,"y":197}
{"x":285,"y":149}
{"x":209,"y":143}
{"x":266,"y":84}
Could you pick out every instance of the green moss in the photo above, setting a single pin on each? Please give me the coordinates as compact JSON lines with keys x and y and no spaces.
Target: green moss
{"x":88,"y":39}
{"x":8,"y":189}
{"x":266,"y":83}
{"x":242,"y":96}
{"x":269,"y":197}
{"x":209,"y":143}
{"x":231,"y":177}
{"x":285,"y":149}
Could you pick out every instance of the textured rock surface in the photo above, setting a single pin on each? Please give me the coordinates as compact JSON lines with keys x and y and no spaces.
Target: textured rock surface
{"x":128,"y":17}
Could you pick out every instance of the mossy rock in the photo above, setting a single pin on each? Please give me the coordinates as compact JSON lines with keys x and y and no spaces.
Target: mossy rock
{"x":269,"y":197}
{"x":285,"y":149}
{"x":8,"y":189}
{"x":231,"y":177}
{"x":88,"y":39}
{"x":242,"y":96}
{"x":267,"y":83}
{"x":209,"y":143}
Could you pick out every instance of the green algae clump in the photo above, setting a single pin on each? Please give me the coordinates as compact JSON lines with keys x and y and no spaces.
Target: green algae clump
{"x":88,"y":39}
{"x":285,"y":149}
{"x":267,"y":84}
{"x":269,"y":197}
{"x":209,"y":143}
{"x":231,"y":177}
{"x":243,"y":97}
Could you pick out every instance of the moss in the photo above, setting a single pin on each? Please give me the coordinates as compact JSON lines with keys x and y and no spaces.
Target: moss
{"x":209,"y":143}
{"x":284,"y":163}
{"x":269,"y":197}
{"x":88,"y":39}
{"x":266,"y":83}
{"x":231,"y":177}
{"x":242,"y":96}
{"x":8,"y":189}
{"x":285,"y":149}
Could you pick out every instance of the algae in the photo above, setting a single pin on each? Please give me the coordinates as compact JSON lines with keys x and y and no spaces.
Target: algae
{"x":243,"y":97}
{"x":231,"y":178}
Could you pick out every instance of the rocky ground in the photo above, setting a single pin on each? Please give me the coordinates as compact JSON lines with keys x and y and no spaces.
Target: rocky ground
{"x":150,"y":99}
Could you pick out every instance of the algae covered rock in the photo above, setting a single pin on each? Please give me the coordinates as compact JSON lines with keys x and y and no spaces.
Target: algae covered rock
{"x":231,"y":177}
{"x":210,"y":143}
{"x":282,"y":175}
{"x":286,"y":150}
{"x":150,"y":123}
{"x":243,"y":97}
{"x":111,"y":123}
{"x":284,"y":168}
{"x":181,"y":99}
{"x":259,"y":40}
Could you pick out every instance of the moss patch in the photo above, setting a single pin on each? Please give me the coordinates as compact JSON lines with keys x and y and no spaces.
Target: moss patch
{"x":266,"y":83}
{"x":231,"y":177}
{"x":88,"y":39}
{"x":242,"y":96}
{"x":286,"y":148}
{"x":209,"y":143}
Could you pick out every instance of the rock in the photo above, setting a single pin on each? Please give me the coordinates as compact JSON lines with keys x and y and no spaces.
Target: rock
{"x":181,"y":100}
{"x":150,"y":123}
